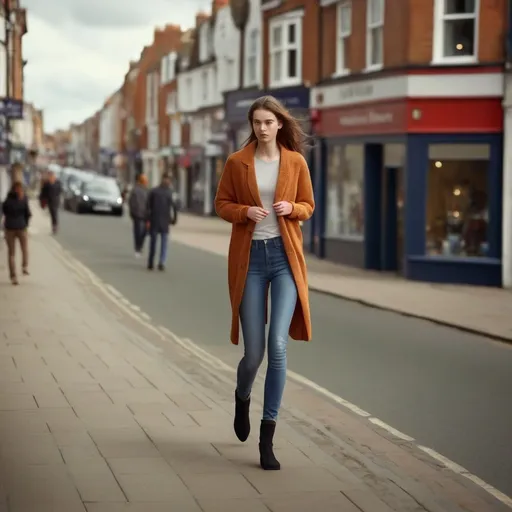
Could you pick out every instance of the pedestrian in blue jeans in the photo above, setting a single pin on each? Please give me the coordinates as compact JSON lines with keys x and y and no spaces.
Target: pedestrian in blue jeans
{"x":158,"y":217}
{"x":265,"y":191}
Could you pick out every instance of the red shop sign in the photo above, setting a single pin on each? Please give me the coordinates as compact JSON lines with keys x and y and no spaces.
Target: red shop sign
{"x":369,"y":119}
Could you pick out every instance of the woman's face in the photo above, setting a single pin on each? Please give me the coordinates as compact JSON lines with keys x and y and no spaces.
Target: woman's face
{"x":19,"y":191}
{"x":265,"y":125}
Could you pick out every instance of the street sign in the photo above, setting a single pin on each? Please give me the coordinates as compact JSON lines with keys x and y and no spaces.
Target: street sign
{"x":11,"y":108}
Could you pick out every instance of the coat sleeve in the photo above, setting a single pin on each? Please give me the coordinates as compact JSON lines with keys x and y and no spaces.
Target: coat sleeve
{"x":132,"y":203}
{"x":149,"y":205}
{"x":304,"y":204}
{"x":226,"y":204}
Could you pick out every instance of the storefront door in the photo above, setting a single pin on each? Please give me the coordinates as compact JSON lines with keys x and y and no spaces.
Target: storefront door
{"x":392,"y":219}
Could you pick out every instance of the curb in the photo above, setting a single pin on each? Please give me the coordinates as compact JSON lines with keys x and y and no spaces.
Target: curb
{"x":419,"y":316}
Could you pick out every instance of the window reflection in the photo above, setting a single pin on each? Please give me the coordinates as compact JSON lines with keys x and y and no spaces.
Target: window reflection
{"x":457,"y":207}
{"x":345,"y":208}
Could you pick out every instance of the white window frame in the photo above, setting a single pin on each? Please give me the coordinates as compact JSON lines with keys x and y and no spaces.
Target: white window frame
{"x":284,"y":21}
{"x":342,"y":36}
{"x":440,"y":18}
{"x":164,"y":69}
{"x":204,"y":84}
{"x":252,"y":75}
{"x":172,"y":103}
{"x":175,"y":132}
{"x":370,"y":27}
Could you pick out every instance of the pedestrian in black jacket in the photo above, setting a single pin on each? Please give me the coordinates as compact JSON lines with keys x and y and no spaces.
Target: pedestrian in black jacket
{"x":160,"y":206}
{"x":50,"y":196}
{"x":16,"y":212}
{"x":137,"y":202}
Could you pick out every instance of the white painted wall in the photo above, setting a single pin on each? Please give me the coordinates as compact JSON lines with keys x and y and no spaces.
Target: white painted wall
{"x":168,"y":68}
{"x":2,"y":58}
{"x":254,"y":25}
{"x":198,"y":88}
{"x":226,"y":40}
{"x":109,"y":124}
{"x":23,"y":129}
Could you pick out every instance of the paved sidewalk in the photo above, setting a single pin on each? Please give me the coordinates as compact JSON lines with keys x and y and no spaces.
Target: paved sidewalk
{"x":102,"y":412}
{"x":475,"y":309}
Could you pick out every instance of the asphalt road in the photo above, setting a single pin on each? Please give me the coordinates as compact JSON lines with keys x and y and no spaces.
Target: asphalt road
{"x":451,"y":391}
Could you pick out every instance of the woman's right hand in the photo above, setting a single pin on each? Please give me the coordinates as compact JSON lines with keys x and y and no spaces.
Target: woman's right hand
{"x":256,"y":213}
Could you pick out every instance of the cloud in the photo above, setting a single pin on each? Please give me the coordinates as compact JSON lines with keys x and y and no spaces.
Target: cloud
{"x":78,"y":50}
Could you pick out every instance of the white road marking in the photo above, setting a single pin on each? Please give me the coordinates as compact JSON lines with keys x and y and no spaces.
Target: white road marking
{"x":114,"y":291}
{"x":453,"y":466}
{"x":460,"y":470}
{"x":212,"y":361}
{"x":391,"y":430}
{"x":490,"y":489}
{"x":319,"y":389}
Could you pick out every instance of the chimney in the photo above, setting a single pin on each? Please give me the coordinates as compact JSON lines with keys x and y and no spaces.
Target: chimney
{"x":218,"y":4}
{"x":201,"y":17}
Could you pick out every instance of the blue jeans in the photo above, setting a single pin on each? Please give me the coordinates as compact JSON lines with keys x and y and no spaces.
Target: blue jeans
{"x":139,"y":233}
{"x":268,"y":265}
{"x":164,"y":237}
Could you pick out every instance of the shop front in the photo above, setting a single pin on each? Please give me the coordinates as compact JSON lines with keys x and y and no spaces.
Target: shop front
{"x":411,"y":184}
{"x":192,"y":179}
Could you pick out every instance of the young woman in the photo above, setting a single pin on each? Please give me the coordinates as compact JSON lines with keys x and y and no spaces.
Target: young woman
{"x":265,"y":191}
{"x":16,"y":211}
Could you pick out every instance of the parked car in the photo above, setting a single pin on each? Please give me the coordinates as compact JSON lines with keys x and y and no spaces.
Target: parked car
{"x":72,"y":180}
{"x":98,"y":195}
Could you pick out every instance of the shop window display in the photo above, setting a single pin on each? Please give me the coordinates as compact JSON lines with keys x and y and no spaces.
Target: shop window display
{"x":457,"y":208}
{"x":345,"y":211}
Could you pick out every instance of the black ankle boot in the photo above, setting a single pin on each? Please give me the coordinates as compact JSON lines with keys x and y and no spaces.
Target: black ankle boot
{"x":268,"y":460}
{"x":242,"y":422}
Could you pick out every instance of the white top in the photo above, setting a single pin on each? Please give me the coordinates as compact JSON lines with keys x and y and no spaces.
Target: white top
{"x":266,"y":177}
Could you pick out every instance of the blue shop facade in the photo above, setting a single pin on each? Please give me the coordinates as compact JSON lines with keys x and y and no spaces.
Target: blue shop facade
{"x":411,"y":186}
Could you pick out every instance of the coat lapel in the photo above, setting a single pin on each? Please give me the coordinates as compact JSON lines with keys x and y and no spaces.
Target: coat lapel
{"x":248,"y":160}
{"x":283,"y":178}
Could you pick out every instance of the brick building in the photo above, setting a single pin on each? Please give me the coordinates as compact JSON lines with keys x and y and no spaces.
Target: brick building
{"x":408,"y":119}
{"x":146,"y":102}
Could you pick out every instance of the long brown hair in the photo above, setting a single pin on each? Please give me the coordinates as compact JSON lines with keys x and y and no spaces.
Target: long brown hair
{"x":291,"y":135}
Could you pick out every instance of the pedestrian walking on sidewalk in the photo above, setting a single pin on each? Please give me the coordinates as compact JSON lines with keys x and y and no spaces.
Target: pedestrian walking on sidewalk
{"x":50,"y":196}
{"x":16,"y":213}
{"x":137,"y":203}
{"x":159,"y":217}
{"x":265,"y":191}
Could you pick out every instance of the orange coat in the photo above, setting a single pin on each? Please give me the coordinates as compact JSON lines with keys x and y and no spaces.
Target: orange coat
{"x":237,"y":191}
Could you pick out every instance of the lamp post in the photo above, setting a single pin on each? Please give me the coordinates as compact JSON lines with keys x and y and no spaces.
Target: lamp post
{"x":240,"y":13}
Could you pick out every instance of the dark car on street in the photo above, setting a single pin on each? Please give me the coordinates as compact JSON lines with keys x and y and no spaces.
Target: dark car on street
{"x":99,"y":195}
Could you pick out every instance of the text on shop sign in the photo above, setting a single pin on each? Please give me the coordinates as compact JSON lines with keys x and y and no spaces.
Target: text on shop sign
{"x":359,"y":91}
{"x":367,"y":118}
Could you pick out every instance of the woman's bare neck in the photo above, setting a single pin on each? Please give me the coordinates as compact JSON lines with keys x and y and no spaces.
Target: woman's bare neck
{"x":267,"y":152}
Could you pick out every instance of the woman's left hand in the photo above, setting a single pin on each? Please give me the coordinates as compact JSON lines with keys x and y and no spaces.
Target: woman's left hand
{"x":283,"y":208}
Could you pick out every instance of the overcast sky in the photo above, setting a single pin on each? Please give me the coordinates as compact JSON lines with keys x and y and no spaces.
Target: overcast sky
{"x":78,"y":50}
